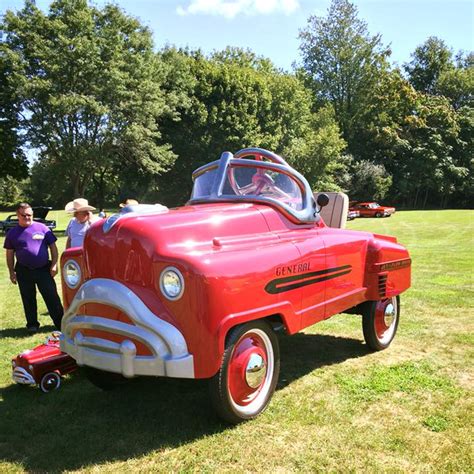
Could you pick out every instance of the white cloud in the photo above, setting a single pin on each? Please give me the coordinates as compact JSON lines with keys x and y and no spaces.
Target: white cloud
{"x":232,"y":8}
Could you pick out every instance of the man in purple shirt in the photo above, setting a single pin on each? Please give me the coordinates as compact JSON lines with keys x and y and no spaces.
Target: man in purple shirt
{"x":28,"y":243}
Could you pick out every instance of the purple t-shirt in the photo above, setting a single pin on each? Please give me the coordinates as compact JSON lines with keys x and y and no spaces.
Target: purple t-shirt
{"x":30,"y":244}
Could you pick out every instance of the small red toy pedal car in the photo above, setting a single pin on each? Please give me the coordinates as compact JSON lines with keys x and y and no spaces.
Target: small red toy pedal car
{"x":44,"y":365}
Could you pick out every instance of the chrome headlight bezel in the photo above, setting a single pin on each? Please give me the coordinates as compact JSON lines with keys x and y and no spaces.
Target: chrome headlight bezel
{"x":76,"y":266}
{"x":164,"y":286}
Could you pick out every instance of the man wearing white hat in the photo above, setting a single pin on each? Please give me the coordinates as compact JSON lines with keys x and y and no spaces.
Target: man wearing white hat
{"x":79,"y":225}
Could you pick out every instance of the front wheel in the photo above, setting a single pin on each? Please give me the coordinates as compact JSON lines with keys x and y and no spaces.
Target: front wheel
{"x":50,"y":381}
{"x":380,"y":322}
{"x":245,"y":383}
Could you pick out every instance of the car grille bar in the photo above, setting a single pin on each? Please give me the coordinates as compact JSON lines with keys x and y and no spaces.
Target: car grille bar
{"x":169,"y":352}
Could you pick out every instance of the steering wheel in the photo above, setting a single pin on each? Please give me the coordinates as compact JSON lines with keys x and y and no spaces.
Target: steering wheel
{"x":261,"y":181}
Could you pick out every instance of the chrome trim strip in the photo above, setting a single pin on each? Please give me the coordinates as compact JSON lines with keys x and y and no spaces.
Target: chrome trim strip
{"x":22,"y":376}
{"x":170,"y":355}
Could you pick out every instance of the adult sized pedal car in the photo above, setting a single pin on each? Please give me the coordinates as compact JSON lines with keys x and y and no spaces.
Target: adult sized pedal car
{"x":199,"y":291}
{"x":43,"y":365}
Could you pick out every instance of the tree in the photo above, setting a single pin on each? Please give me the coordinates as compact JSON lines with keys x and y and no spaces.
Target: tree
{"x":343,"y":62}
{"x":457,"y":85}
{"x":89,"y":85}
{"x":429,"y":61}
{"x":368,"y":181}
{"x":13,"y":163}
{"x":317,"y":153}
{"x":427,"y":167}
{"x":12,"y":191}
{"x":463,"y":193}
{"x":238,"y":100}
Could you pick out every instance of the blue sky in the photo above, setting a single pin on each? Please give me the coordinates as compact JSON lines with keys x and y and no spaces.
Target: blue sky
{"x":270,"y":27}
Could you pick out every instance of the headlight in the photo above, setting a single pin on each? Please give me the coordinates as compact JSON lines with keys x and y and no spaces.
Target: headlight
{"x":172,"y":283}
{"x":72,"y":274}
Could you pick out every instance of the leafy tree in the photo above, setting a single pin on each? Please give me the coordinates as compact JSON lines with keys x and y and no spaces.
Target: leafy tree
{"x":457,"y":85}
{"x":238,"y":100}
{"x":343,"y":62}
{"x":426,"y":164}
{"x":13,"y":161}
{"x":12,"y":191}
{"x":46,"y":189}
{"x":378,"y":132}
{"x":90,"y":92}
{"x":463,"y":193}
{"x":429,"y":61}
{"x":368,"y":181}
{"x":317,"y":153}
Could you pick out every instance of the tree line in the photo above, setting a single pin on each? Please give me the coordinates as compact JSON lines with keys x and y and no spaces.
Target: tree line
{"x":108,"y":117}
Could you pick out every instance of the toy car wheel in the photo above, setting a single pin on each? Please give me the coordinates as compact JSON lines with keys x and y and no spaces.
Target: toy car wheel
{"x":245,"y":383}
{"x":380,"y":322}
{"x":104,"y":380}
{"x":378,"y":214}
{"x":50,"y":381}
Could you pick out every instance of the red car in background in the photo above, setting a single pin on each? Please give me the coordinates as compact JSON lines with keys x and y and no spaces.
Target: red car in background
{"x":371,"y":209}
{"x":351,"y":214}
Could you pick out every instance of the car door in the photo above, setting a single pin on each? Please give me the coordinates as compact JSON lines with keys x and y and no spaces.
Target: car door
{"x":346,"y":252}
{"x":312,"y":276}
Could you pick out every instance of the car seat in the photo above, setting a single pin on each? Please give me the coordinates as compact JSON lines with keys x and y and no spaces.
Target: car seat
{"x":335,"y":213}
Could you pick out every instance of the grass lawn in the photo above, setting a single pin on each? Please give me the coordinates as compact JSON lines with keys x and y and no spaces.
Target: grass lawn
{"x":337,"y":407}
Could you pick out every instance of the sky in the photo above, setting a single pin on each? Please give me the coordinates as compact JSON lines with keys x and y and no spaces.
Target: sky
{"x":270,"y":27}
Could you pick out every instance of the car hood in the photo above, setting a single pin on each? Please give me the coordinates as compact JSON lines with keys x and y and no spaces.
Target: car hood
{"x":41,"y":211}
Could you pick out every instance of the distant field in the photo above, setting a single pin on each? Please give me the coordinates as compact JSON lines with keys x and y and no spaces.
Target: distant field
{"x":337,"y":408}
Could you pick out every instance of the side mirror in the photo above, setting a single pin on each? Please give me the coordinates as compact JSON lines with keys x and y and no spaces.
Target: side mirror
{"x":323,"y":200}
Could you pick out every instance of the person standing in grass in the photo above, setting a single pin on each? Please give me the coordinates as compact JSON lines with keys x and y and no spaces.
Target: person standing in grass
{"x":28,"y":243}
{"x":79,"y":225}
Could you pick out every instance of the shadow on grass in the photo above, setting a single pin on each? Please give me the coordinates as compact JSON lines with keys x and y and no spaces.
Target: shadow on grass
{"x":80,"y":425}
{"x":18,"y":333}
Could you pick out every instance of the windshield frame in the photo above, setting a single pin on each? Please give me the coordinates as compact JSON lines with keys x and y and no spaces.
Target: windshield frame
{"x":307,"y":213}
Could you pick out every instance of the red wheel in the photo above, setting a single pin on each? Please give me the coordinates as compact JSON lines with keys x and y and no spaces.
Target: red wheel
{"x":245,"y":383}
{"x":50,"y":381}
{"x":380,"y":322}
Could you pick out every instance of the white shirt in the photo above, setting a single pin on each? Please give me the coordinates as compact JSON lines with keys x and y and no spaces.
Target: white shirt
{"x":77,"y":231}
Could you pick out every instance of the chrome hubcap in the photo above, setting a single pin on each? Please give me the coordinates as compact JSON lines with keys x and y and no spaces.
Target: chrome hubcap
{"x":255,"y":371}
{"x":389,"y":315}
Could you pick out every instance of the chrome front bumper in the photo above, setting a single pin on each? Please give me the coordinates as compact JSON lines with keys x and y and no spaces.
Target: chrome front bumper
{"x":170,"y":357}
{"x":22,"y":376}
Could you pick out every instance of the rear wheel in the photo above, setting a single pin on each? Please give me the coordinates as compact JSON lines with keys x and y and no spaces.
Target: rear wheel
{"x":245,"y":383}
{"x":380,"y":322}
{"x":104,"y":380}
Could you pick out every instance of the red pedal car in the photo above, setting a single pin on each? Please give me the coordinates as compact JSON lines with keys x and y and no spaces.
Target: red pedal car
{"x":200,"y":291}
{"x":371,"y":209}
{"x":44,"y":365}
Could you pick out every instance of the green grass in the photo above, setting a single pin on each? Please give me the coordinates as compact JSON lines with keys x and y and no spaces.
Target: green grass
{"x":337,"y":408}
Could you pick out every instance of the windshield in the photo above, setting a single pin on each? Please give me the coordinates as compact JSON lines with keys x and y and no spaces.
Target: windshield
{"x":373,"y":205}
{"x":266,"y":179}
{"x":204,"y":183}
{"x":251,"y":182}
{"x":255,"y":181}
